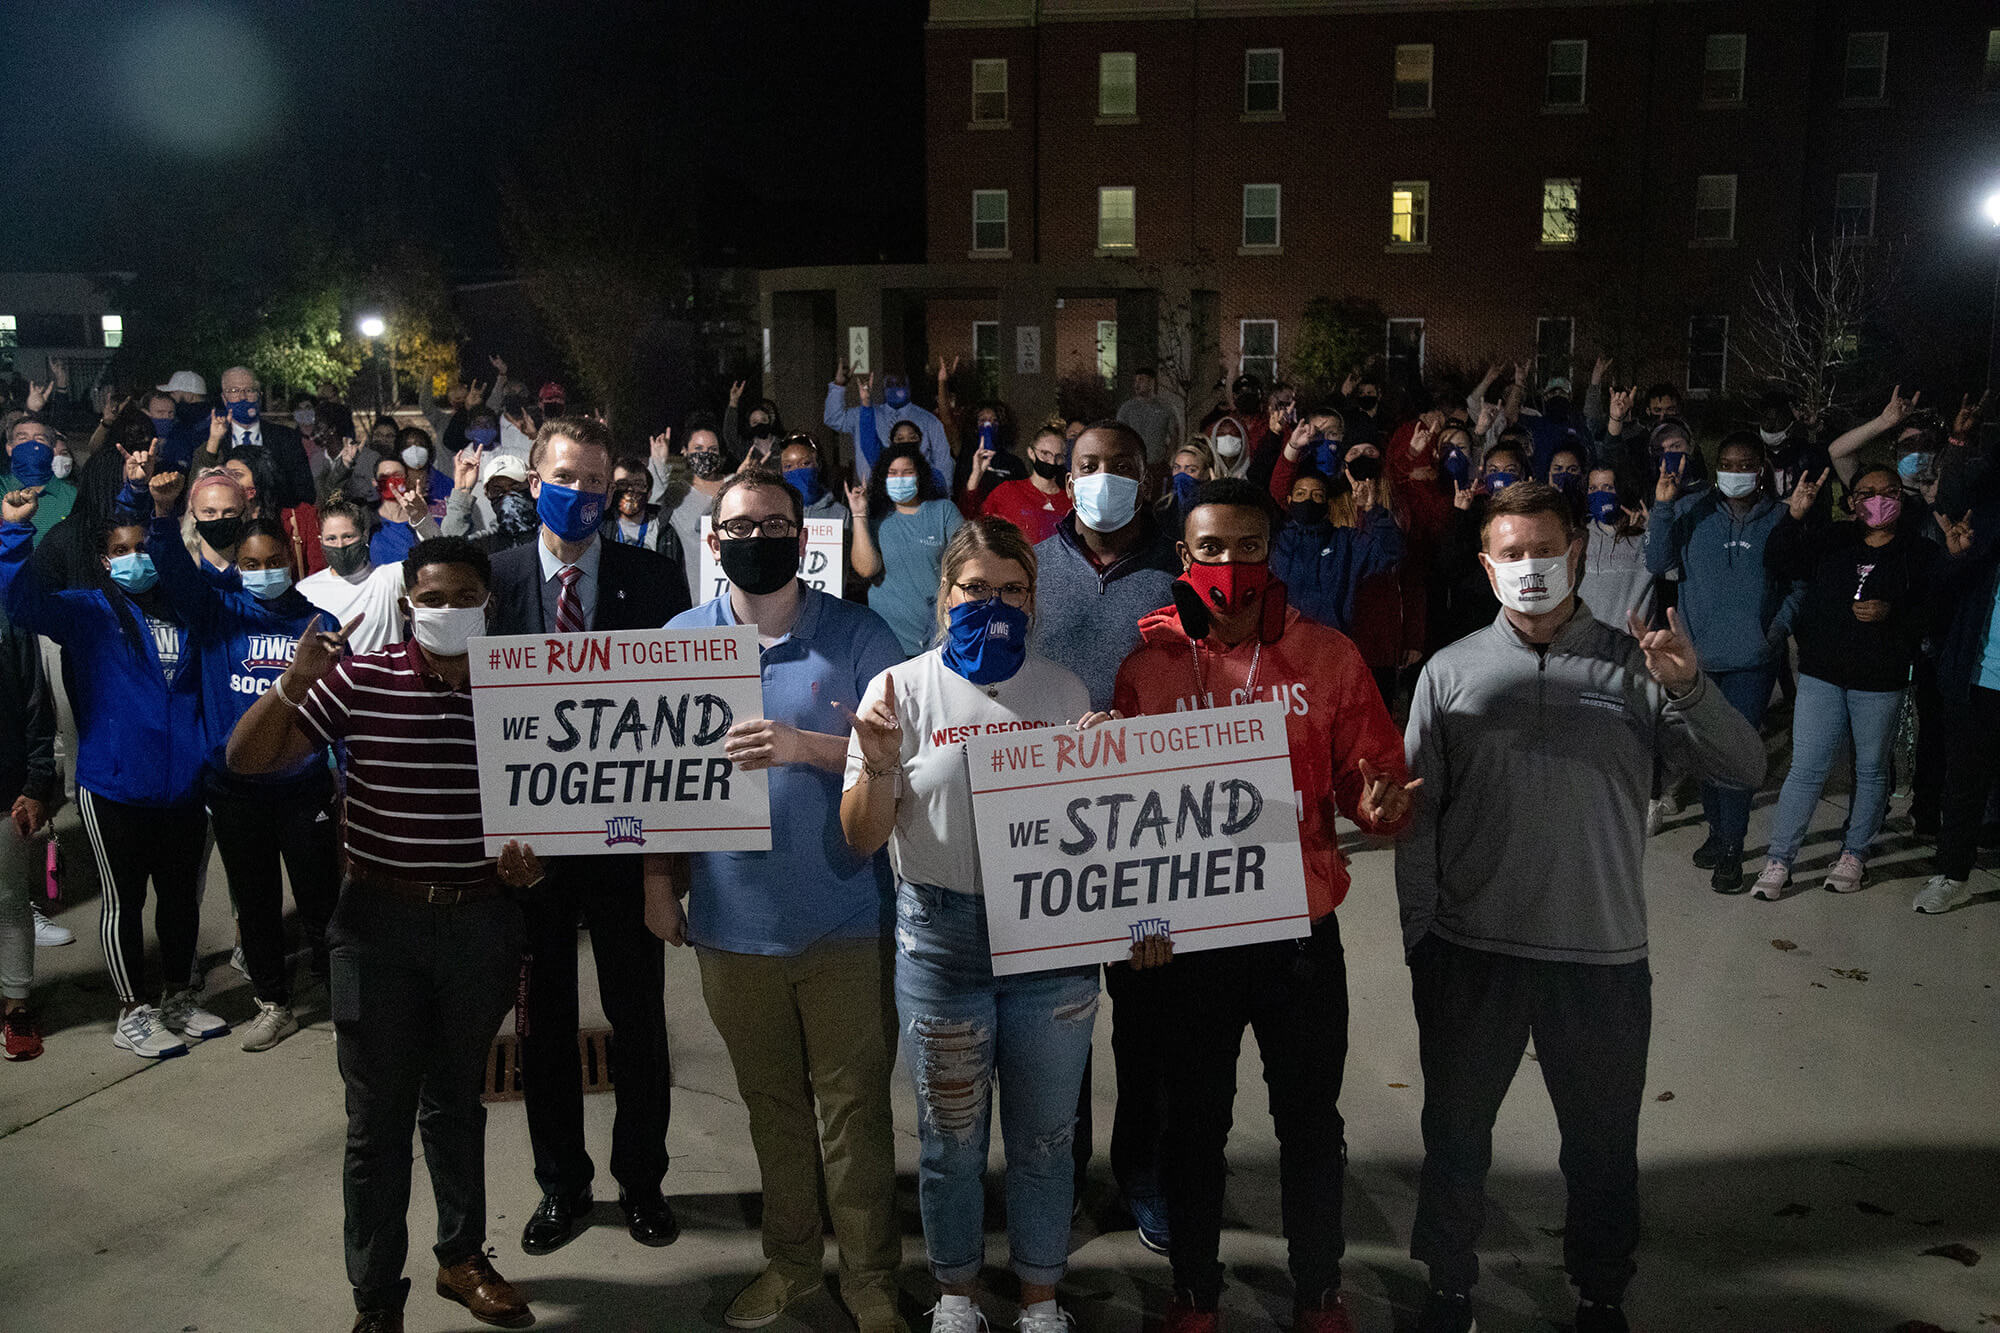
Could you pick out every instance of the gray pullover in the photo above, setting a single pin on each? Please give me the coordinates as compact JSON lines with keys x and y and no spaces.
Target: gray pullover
{"x":1529,"y":837}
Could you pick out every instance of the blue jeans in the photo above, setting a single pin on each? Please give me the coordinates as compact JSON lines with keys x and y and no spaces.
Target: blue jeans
{"x":964,"y":1028}
{"x":1824,"y":716}
{"x":1727,"y":807}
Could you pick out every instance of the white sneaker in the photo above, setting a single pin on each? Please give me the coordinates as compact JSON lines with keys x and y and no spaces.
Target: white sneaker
{"x":1771,"y":882}
{"x":273,"y":1023}
{"x":1053,"y":1320}
{"x":142,"y":1033}
{"x":182,"y":1013}
{"x":1941,"y":895}
{"x":1658,"y":813}
{"x":49,"y":935}
{"x":1847,"y":874}
{"x":957,"y":1314}
{"x":236,"y":960}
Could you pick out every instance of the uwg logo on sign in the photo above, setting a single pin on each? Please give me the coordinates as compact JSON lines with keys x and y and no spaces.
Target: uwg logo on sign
{"x":268,"y":654}
{"x":624,"y":829}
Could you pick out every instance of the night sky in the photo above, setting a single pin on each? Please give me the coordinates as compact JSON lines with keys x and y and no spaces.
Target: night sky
{"x":783,"y":132}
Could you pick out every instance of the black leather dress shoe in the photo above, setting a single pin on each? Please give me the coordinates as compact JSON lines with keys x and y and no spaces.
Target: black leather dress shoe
{"x":556,"y":1221}
{"x":650,"y":1220}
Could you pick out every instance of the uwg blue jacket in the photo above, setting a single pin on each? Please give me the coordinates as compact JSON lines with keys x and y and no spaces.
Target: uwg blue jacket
{"x":140,"y":737}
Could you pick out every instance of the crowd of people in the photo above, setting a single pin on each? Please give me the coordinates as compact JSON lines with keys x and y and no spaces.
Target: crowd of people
{"x":260,"y":627}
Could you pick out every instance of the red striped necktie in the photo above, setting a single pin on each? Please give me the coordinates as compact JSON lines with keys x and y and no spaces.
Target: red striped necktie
{"x":569,"y":602}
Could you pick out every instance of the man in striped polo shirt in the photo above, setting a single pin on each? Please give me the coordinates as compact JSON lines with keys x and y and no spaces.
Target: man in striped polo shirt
{"x":426,"y":939}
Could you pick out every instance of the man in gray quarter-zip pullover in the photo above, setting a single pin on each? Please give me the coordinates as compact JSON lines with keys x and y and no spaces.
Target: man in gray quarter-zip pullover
{"x":1522,"y":892}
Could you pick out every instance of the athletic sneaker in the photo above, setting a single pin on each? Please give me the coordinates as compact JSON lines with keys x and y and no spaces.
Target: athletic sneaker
{"x":24,"y":1039}
{"x":1050,"y":1319}
{"x":962,"y":1315}
{"x":49,"y":935}
{"x":1941,"y":895}
{"x":1658,"y":812}
{"x":273,"y":1023}
{"x":1328,"y":1316}
{"x":1710,"y":854}
{"x":182,"y":1013}
{"x":1592,"y":1318}
{"x":1182,"y":1317}
{"x":1448,"y":1312}
{"x":1771,"y":882}
{"x":1846,"y":875}
{"x":1149,"y":1213}
{"x":236,"y":960}
{"x":142,"y":1033}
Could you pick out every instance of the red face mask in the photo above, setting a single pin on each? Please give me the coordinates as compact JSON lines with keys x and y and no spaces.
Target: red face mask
{"x":1206,"y":589}
{"x":389,"y":487}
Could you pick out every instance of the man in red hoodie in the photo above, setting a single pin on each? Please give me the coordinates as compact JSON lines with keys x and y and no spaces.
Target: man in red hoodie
{"x":1230,"y":639}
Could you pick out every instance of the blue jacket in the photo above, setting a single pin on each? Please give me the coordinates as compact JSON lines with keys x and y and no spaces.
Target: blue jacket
{"x":839,"y":416}
{"x":140,"y":735}
{"x":1727,"y":597}
{"x":1323,"y":566}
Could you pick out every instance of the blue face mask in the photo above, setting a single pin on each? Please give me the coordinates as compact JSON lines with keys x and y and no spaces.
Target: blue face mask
{"x":134,"y":571}
{"x":243,"y":412}
{"x":483,"y":436}
{"x":896,"y":395}
{"x":1909,"y":467}
{"x":1458,"y":466}
{"x":1566,"y":481}
{"x":1185,"y":485}
{"x":32,"y":463}
{"x":902,"y":489}
{"x":1326,"y":457}
{"x":986,"y":641}
{"x":266,"y":585}
{"x":1105,"y":501}
{"x":162,"y":427}
{"x":806,"y":480}
{"x":1499,"y":481}
{"x":1604,"y":506}
{"x":570,"y":514}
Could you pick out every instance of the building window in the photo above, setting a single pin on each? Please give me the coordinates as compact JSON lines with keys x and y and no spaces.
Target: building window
{"x":989,"y":92}
{"x":1405,"y":349}
{"x":113,"y":328}
{"x":1867,"y":74}
{"x":989,"y":221}
{"x":1854,"y":204}
{"x":1559,"y":200}
{"x":1555,"y":345}
{"x":1258,"y":349}
{"x":1708,"y":355}
{"x":1990,"y":83}
{"x":986,"y":356}
{"x":1722,"y":68}
{"x":1413,"y":78}
{"x":1263,"y":82}
{"x":1117,"y":214}
{"x":1409,"y":213}
{"x":1260,"y":215}
{"x":1715,"y":208}
{"x":10,"y":331}
{"x":1566,"y":67}
{"x":1107,"y":352}
{"x":1117,"y":84}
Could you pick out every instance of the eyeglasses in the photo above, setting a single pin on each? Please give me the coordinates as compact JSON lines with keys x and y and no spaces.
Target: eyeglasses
{"x":1014,"y":594}
{"x":738,"y":528}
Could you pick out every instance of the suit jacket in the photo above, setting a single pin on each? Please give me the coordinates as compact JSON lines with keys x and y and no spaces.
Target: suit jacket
{"x":288,"y":458}
{"x":636,"y":589}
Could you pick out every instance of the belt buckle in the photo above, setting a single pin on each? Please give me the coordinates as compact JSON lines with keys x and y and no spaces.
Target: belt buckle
{"x":442,"y":895}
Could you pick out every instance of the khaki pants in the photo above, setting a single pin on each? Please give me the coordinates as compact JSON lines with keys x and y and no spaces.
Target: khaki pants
{"x":819,"y":1023}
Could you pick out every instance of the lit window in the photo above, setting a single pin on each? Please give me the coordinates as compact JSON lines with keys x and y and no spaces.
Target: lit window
{"x":1566,"y":68}
{"x":989,"y":92}
{"x":1559,"y":199}
{"x":1117,"y":214}
{"x":10,"y":331}
{"x":1258,"y":348}
{"x":1555,"y":345}
{"x":1260,"y":215}
{"x":1715,"y":208}
{"x":1854,"y":204}
{"x":1405,"y":349}
{"x":1867,"y":73}
{"x":1413,"y":78}
{"x":113,"y":327}
{"x":1263,"y":82}
{"x":1117,"y":84}
{"x":1708,"y":355}
{"x":1722,"y":67}
{"x":1409,"y":213}
{"x":989,"y":220}
{"x":1991,"y":82}
{"x":1107,"y":352}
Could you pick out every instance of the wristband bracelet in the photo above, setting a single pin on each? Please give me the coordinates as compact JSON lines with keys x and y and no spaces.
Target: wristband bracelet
{"x":278,"y":688}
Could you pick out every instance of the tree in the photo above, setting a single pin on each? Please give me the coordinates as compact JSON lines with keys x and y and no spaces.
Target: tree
{"x":1335,"y":337}
{"x":1810,"y":319}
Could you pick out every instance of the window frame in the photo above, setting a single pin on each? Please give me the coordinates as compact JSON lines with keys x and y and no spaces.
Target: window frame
{"x":1575,"y":184}
{"x":1721,"y":356}
{"x":1005,"y":223}
{"x":1989,"y":75}
{"x":1105,"y":115}
{"x":1006,"y":107}
{"x":1389,"y":339}
{"x":1269,"y":374}
{"x":1545,"y":370}
{"x":1272,"y":112}
{"x":111,"y":330}
{"x":1729,"y":238}
{"x":986,"y":369}
{"x":1108,"y":248}
{"x":1581,"y":75}
{"x":1419,"y":213}
{"x":10,"y":330}
{"x":1848,"y":97}
{"x":1276,"y":217}
{"x":1874,"y":180}
{"x":1397,"y":83}
{"x":1107,"y":371}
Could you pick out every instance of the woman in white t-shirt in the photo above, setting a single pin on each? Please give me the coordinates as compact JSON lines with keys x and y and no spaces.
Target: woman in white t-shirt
{"x":964,"y":1028}
{"x":350,"y":586}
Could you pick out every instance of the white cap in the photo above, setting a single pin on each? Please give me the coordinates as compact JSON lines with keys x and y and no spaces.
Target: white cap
{"x":504,"y":465}
{"x":185,"y":381}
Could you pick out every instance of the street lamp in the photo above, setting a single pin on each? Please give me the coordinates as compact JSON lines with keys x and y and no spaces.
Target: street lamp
{"x":374,"y":326}
{"x":1991,"y":208}
{"x":371,"y":326}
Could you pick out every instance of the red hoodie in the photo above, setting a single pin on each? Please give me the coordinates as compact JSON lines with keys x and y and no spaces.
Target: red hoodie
{"x":1335,"y":719}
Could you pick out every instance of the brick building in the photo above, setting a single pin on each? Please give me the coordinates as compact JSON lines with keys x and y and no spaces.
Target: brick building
{"x":1115,"y":182}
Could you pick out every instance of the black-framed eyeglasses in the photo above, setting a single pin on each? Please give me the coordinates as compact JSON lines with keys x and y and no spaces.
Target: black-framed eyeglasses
{"x":1014,"y":594}
{"x":775,"y":526}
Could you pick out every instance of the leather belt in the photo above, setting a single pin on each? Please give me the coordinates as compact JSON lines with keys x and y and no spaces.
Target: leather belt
{"x":423,"y":891}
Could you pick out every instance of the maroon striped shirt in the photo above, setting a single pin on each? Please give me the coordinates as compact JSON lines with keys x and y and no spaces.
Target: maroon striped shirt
{"x":412,"y":767}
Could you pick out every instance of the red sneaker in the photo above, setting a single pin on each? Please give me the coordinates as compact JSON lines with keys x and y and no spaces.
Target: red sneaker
{"x":1184,"y":1318}
{"x":24,"y":1039}
{"x":1329,"y":1316}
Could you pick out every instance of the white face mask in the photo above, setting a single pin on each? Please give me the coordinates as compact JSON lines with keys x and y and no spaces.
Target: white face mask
{"x":445,"y":630}
{"x":1772,"y":438}
{"x":1736,"y":485}
{"x":1228,"y":446}
{"x":61,"y":465}
{"x":416,"y":456}
{"x":1530,"y":586}
{"x":1105,"y":501}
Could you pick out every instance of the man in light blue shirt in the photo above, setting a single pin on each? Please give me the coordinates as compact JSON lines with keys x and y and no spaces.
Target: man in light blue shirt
{"x":793,"y":942}
{"x":895,"y":406}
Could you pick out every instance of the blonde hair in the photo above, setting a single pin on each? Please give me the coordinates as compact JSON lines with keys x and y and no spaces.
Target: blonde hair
{"x":209,"y":476}
{"x":1198,"y":446}
{"x":984,"y":535}
{"x":1340,"y":506}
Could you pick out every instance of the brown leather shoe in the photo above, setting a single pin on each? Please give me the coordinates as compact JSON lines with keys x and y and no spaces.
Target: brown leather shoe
{"x":490,"y":1297}
{"x":379,"y":1321}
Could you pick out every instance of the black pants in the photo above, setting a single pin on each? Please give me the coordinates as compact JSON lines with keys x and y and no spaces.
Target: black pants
{"x":606,"y":893}
{"x":255,"y":831}
{"x":1591,"y":1025}
{"x":418,"y":994}
{"x":1972,"y":763}
{"x":134,"y":844}
{"x":1927,"y":783}
{"x":1293,"y":995}
{"x":1141,"y":1074}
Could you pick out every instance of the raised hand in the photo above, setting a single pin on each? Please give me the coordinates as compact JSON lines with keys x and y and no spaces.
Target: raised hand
{"x":945,"y":371}
{"x":1805,"y":493}
{"x":736,"y":392}
{"x":1957,"y":536}
{"x":475,"y":392}
{"x":1383,"y":801}
{"x":1461,"y":495}
{"x":59,"y":373}
{"x":318,"y":653}
{"x":661,"y":446}
{"x":1296,"y":442}
{"x":981,"y":460}
{"x":1635,"y":518}
{"x":113,"y":405}
{"x":864,"y":385}
{"x":1970,"y":415}
{"x":857,"y":498}
{"x":350,"y":449}
{"x":1488,"y":414}
{"x":38,"y":394}
{"x":1670,"y":658}
{"x":499,"y":366}
{"x":19,"y":506}
{"x":519,"y":867}
{"x":1897,"y":408}
{"x":136,"y":464}
{"x":1621,"y":403}
{"x":1424,"y":438}
{"x":465,"y":468}
{"x":1601,"y":369}
{"x":1668,"y":488}
{"x":218,"y":429}
{"x":1365,"y":496}
{"x":840,"y":373}
{"x":877,"y":728}
{"x":1350,"y":384}
{"x":166,"y":488}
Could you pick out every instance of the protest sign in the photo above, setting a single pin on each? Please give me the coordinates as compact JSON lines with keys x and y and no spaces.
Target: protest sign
{"x":820,"y":567}
{"x":1179,"y":823}
{"x":612,"y":742}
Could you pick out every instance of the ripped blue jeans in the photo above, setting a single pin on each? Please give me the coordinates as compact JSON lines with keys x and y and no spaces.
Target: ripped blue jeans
{"x":963,"y":1030}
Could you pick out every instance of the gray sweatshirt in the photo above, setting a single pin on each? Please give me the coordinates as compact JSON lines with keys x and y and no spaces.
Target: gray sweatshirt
{"x":1086,"y":618}
{"x":1530,"y":832}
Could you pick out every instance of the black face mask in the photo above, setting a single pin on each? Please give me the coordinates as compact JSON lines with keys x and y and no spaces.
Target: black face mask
{"x":1363,"y":467}
{"x":1308,"y":513}
{"x":1369,"y":402}
{"x":705,"y":463}
{"x":1046,"y":471}
{"x":345,"y":560}
{"x":760,"y":565}
{"x":220,"y":533}
{"x":1247,"y":403}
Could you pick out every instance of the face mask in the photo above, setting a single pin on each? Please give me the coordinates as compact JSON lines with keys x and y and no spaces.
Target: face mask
{"x":1736,"y":485}
{"x":134,"y":571}
{"x":1772,"y":438}
{"x":1369,"y":402}
{"x":62,"y":465}
{"x":31,"y":463}
{"x":243,"y":412}
{"x":483,"y":436}
{"x":1307,"y":513}
{"x":1911,"y":467}
{"x":806,"y":481}
{"x":267,"y":585}
{"x":986,"y":642}
{"x":1604,"y":506}
{"x":1246,"y":403}
{"x":569,"y":513}
{"x":902,"y":489}
{"x":1363,"y":467}
{"x":162,"y":427}
{"x":896,"y":395}
{"x":1228,"y":446}
{"x":1671,"y":460}
{"x":515,"y":513}
{"x":304,"y":417}
{"x":389,"y":486}
{"x":220,"y":533}
{"x":349,"y":559}
{"x":445,"y":630}
{"x":1497,"y":482}
{"x":1229,"y":585}
{"x":1326,"y":457}
{"x":1185,"y":484}
{"x":1458,"y":466}
{"x":705,"y":463}
{"x":1881,"y":511}
{"x":1046,"y":470}
{"x":1105,"y":501}
{"x":415,"y":457}
{"x":760,"y":565}
{"x":1532,"y":586}
{"x":1566,"y":481}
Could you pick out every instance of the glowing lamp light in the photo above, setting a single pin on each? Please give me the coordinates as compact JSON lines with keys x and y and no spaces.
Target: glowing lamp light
{"x":1991,"y":208}
{"x":372,"y":326}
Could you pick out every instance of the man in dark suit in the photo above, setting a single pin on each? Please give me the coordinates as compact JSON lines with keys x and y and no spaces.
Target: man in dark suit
{"x":242,"y":400}
{"x":570,"y":581}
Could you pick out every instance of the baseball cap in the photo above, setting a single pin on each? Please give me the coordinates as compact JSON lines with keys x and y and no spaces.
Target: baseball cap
{"x":504,"y":465}
{"x":184,"y":381}
{"x":1557,"y":387}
